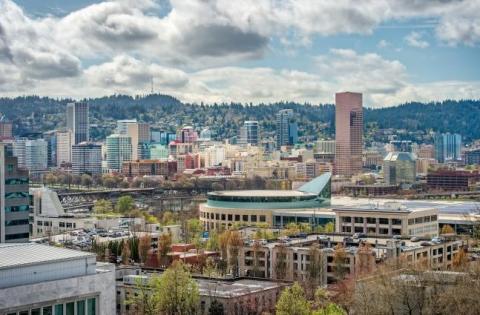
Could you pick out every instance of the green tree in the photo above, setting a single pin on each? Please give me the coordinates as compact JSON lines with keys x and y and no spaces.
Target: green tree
{"x":330,"y":227}
{"x":86,"y":180}
{"x":146,"y":299}
{"x":292,"y":301}
{"x":125,"y":204}
{"x":102,"y":206}
{"x":179,"y":293}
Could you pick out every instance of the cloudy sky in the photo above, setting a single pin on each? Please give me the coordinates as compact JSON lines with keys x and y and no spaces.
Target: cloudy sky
{"x":247,"y":51}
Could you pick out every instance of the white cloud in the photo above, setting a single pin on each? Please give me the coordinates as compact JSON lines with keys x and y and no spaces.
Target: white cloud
{"x":383,"y":43}
{"x":414,"y":39}
{"x":191,"y":51}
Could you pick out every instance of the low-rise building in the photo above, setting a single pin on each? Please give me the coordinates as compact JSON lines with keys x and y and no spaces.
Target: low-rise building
{"x":453,"y":180}
{"x":40,"y":279}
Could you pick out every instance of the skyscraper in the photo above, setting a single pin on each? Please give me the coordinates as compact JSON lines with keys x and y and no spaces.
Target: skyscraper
{"x":14,"y":200}
{"x":348,"y":133}
{"x":119,"y":150}
{"x":139,"y":134}
{"x":447,"y":147}
{"x":36,"y":155}
{"x":249,"y":132}
{"x":87,"y":158}
{"x":122,"y":125}
{"x":188,"y":135}
{"x":78,"y":122}
{"x":64,"y":146}
{"x":287,"y":129}
{"x":51,"y":138}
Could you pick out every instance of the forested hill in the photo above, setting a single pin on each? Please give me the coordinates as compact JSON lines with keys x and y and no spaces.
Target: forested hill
{"x":35,"y":114}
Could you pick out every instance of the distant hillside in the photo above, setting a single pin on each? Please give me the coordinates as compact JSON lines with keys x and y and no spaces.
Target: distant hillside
{"x":35,"y":114}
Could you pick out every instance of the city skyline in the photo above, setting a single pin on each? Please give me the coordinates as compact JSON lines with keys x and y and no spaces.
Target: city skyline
{"x":274,"y":51}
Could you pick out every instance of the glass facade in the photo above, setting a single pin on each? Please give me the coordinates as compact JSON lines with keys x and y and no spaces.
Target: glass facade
{"x":81,"y":306}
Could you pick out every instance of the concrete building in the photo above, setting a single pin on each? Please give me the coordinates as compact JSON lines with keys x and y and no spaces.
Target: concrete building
{"x":87,"y":158}
{"x":273,"y":207}
{"x":452,"y":180}
{"x":348,"y":133}
{"x":448,"y":147}
{"x":139,"y":134}
{"x":122,"y":126}
{"x":14,"y":201}
{"x":287,"y":128}
{"x":6,"y":129}
{"x":78,"y":121}
{"x":387,"y":219}
{"x":399,"y":168}
{"x":36,"y":155}
{"x":249,"y":133}
{"x":158,"y":151}
{"x":149,"y":168}
{"x":64,"y":147}
{"x":119,"y":150}
{"x":187,"y":135}
{"x":472,"y":157}
{"x":241,"y":296}
{"x":40,"y":279}
{"x":325,"y":146}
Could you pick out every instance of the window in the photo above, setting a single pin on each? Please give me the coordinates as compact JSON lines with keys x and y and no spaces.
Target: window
{"x":61,"y":224}
{"x":426,"y":219}
{"x":80,"y":307}
{"x":16,"y":236}
{"x":346,"y":229}
{"x":47,"y":310}
{"x":371,"y":220}
{"x":396,"y":232}
{"x":383,"y":231}
{"x":17,"y":208}
{"x":245,"y":218}
{"x":358,"y":229}
{"x":418,"y":220}
{"x":91,"y":308}
{"x":59,"y":309}
{"x":237,"y":217}
{"x":217,"y":216}
{"x":253,"y":218}
{"x":223,"y":217}
{"x":411,"y":221}
{"x":263,"y":218}
{"x":396,"y":222}
{"x":16,"y":222}
{"x":346,"y":219}
{"x":358,"y":220}
{"x":433,"y":218}
{"x":35,"y":311}
{"x":70,"y":307}
{"x":383,"y":221}
{"x":229,"y":217}
{"x":69,"y":225}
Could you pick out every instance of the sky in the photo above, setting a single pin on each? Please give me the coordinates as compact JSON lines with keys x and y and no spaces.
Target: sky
{"x":249,"y":51}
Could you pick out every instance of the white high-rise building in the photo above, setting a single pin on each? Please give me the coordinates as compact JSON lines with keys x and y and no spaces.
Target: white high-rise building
{"x":122,"y":126}
{"x":64,"y":146}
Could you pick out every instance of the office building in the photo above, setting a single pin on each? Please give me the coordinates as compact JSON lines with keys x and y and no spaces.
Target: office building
{"x":149,"y":168}
{"x":14,"y":201}
{"x":399,"y":168}
{"x":18,"y":150}
{"x":448,"y":147}
{"x":249,"y":133}
{"x":277,"y":208}
{"x":64,"y":147}
{"x":472,"y":157}
{"x":158,"y":151}
{"x":6,"y":129}
{"x":325,"y":146}
{"x":122,"y":126}
{"x":40,"y":279}
{"x":452,"y":180}
{"x":139,"y":134}
{"x":36,"y":155}
{"x":387,"y":219}
{"x":205,"y":134}
{"x":400,"y":146}
{"x":78,"y":121}
{"x":287,"y":129}
{"x":51,"y":138}
{"x":237,"y":296}
{"x":348,"y":133}
{"x":86,"y":158}
{"x":119,"y":150}
{"x":188,"y":135}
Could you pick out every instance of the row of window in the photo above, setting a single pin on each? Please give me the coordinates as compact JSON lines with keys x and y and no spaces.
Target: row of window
{"x":82,"y":307}
{"x":17,"y":208}
{"x":16,"y":222}
{"x":17,"y":194}
{"x":428,"y":229}
{"x":16,"y":181}
{"x":420,"y":220}
{"x":16,"y":236}
{"x":371,"y":220}
{"x":68,"y":225}
{"x":232,"y":217}
{"x":371,"y":230}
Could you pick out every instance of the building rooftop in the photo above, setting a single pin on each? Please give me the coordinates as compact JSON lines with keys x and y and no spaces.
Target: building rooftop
{"x":261,"y":193}
{"x":23,"y":254}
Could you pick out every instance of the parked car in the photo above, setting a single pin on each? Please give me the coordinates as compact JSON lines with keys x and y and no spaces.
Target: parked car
{"x":416,"y":239}
{"x":437,"y":240}
{"x":357,"y":236}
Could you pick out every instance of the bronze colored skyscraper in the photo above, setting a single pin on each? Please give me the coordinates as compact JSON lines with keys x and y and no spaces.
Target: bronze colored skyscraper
{"x":348,"y":133}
